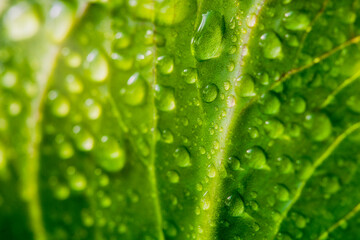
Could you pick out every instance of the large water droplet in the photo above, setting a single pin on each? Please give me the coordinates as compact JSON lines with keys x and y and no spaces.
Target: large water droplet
{"x":21,"y":21}
{"x":235,"y":204}
{"x":271,"y":44}
{"x":207,"y":41}
{"x":110,"y":155}
{"x":245,"y":85}
{"x":83,"y":139}
{"x":165,"y":99}
{"x":77,"y":181}
{"x":274,"y":128}
{"x":171,"y":12}
{"x":319,"y":126}
{"x":60,"y":20}
{"x":209,"y":93}
{"x":165,"y":64}
{"x":270,"y":103}
{"x":256,"y":158}
{"x":135,"y":90}
{"x":182,"y":157}
{"x":282,"y":193}
{"x":173,"y":176}
{"x":96,"y":66}
{"x":296,"y":21}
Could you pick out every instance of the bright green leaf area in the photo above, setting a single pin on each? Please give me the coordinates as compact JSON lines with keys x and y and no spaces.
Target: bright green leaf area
{"x":179,"y":119}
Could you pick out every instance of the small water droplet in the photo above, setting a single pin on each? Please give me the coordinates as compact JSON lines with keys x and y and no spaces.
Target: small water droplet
{"x":173,"y":176}
{"x":256,"y":158}
{"x":246,"y":86}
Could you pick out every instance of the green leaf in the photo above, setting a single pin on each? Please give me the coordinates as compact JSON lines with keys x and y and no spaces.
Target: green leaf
{"x":169,"y":119}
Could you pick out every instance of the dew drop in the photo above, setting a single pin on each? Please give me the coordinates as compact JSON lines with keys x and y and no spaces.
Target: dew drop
{"x":165,"y":64}
{"x":296,"y":21}
{"x":96,"y":66}
{"x":60,"y":21}
{"x":134,"y":91}
{"x":270,"y":103}
{"x":282,"y":193}
{"x":256,"y":158}
{"x":164,"y":98}
{"x":297,"y":105}
{"x":110,"y":155}
{"x":246,"y":86}
{"x":319,"y":126}
{"x":93,"y":109}
{"x":272,"y":47}
{"x":207,"y":41}
{"x":21,"y":21}
{"x":77,"y":182}
{"x":122,"y":40}
{"x":209,"y":93}
{"x":83,"y":139}
{"x":73,"y":84}
{"x":182,"y":157}
{"x":173,"y":176}
{"x":235,"y":204}
{"x":190,"y":75}
{"x":353,"y":103}
{"x":274,"y":128}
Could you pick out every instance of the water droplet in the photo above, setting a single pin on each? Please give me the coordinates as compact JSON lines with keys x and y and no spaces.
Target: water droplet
{"x":96,"y":66}
{"x":122,"y":40}
{"x":122,"y":62}
{"x":297,"y":105}
{"x":167,"y":136}
{"x":73,"y":84}
{"x":353,"y":103}
{"x":83,"y":139}
{"x":319,"y":126}
{"x":190,"y":75}
{"x":207,"y":41}
{"x":134,"y":92}
{"x":209,"y":93}
{"x":61,"y":192}
{"x":253,"y":132}
{"x":246,"y":86}
{"x":256,"y":158}
{"x":60,"y":21}
{"x":9,"y":79}
{"x":60,"y":105}
{"x":211,"y":171}
{"x":206,"y":201}
{"x":93,"y":109}
{"x":270,"y":103}
{"x":77,"y":181}
{"x":282,"y":193}
{"x":110,"y":155}
{"x":296,"y":21}
{"x":230,"y":101}
{"x":165,"y":64}
{"x":330,"y":184}
{"x":21,"y":21}
{"x":65,"y":150}
{"x":251,"y":20}
{"x":165,"y":99}
{"x":271,"y":45}
{"x":235,"y":204}
{"x":182,"y":157}
{"x":274,"y":128}
{"x":172,"y":11}
{"x":284,"y":164}
{"x":173,"y":176}
{"x":169,"y":229}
